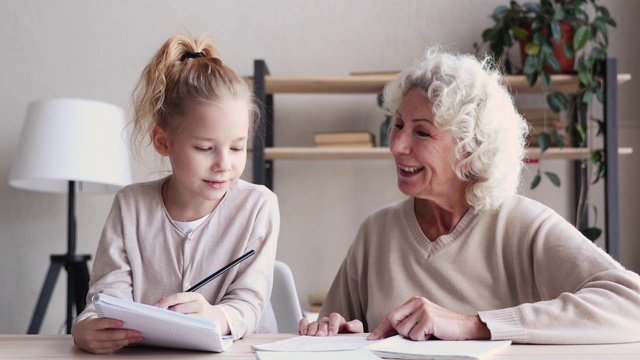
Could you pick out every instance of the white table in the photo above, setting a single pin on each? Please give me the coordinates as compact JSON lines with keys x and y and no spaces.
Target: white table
{"x":62,"y":347}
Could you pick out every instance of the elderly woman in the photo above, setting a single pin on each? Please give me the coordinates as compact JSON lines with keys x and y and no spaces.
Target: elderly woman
{"x":465,"y":257}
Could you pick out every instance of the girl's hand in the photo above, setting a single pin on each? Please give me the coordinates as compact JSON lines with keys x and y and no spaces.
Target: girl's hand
{"x":329,"y":326}
{"x":193,"y":303}
{"x":103,"y":336}
{"x":420,"y":319}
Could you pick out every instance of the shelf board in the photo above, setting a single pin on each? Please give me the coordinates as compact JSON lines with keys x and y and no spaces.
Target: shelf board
{"x":339,"y":153}
{"x":374,"y":83}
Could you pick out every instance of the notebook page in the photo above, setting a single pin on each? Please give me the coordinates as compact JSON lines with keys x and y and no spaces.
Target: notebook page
{"x":316,"y":343}
{"x":161,"y":327}
{"x":401,"y":348}
{"x":320,"y":355}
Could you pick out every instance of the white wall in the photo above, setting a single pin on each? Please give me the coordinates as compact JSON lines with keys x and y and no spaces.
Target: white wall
{"x":97,"y":49}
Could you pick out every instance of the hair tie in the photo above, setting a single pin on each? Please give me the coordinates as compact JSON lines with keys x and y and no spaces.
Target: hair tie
{"x":194,"y":55}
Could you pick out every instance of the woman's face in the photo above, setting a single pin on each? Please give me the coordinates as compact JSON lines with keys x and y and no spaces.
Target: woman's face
{"x":423,"y":154}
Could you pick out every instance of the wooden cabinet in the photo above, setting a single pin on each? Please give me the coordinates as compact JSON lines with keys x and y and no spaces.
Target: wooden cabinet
{"x":264,"y":152}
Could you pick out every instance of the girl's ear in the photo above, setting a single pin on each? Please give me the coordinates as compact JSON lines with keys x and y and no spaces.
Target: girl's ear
{"x":159,"y":139}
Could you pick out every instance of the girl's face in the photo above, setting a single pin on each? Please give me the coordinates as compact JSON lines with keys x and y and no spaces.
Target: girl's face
{"x":208,"y":154}
{"x":424,"y":155}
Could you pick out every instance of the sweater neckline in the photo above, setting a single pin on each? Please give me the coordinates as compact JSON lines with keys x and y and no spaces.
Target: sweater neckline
{"x":433,"y":247}
{"x":174,"y":223}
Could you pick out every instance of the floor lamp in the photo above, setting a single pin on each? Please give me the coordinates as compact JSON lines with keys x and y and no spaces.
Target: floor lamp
{"x":70,"y":146}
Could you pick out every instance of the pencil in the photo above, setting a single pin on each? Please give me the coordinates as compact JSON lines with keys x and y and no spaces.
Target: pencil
{"x":221,"y":271}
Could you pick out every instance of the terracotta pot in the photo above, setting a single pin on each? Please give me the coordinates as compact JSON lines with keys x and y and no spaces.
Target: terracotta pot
{"x":566,"y":64}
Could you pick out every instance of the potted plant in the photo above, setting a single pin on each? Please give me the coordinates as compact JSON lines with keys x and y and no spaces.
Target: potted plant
{"x":556,"y":36}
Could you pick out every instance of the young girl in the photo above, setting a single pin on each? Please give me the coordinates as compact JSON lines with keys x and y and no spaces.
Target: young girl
{"x":164,"y":236}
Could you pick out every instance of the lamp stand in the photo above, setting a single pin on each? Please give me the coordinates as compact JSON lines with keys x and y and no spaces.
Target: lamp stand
{"x":77,"y":274}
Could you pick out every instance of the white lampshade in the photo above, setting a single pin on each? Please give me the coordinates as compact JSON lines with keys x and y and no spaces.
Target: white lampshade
{"x":72,"y":140}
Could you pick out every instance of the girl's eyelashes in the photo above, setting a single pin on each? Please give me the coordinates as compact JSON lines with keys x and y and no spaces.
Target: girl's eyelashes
{"x":206,"y":149}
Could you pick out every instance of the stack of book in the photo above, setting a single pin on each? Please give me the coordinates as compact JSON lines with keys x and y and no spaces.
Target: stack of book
{"x":344,"y":139}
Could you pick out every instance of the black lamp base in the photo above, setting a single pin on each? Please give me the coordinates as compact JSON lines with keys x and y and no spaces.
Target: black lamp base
{"x":77,"y":288}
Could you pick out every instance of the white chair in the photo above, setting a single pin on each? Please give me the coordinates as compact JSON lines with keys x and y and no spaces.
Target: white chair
{"x":284,"y":299}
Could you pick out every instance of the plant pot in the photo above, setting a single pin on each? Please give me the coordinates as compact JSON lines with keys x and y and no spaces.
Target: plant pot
{"x":566,"y":64}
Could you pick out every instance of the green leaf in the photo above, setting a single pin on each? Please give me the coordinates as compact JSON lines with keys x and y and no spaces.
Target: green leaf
{"x":546,"y":79}
{"x":532,"y":49}
{"x":596,"y":156}
{"x":532,"y":77}
{"x":538,"y":38}
{"x":488,"y":35}
{"x":583,"y":73}
{"x":506,"y":39}
{"x":600,"y":95}
{"x":599,"y":53}
{"x":599,"y":26}
{"x":558,"y":138}
{"x":568,"y":50}
{"x":555,"y":180}
{"x":610,"y":21}
{"x":600,"y":172}
{"x":603,"y":11}
{"x":601,"y":127}
{"x":547,"y":48}
{"x":581,"y":37}
{"x":544,"y":141}
{"x":519,"y":33}
{"x":554,"y":63}
{"x":536,"y":181}
{"x":557,"y":101}
{"x":555,"y":30}
{"x":591,"y":233}
{"x":558,"y":15}
{"x":587,"y":96}
{"x":499,"y":12}
{"x":533,"y":7}
{"x":581,"y":131}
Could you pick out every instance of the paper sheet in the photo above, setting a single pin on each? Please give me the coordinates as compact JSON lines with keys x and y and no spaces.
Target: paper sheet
{"x":395,"y":347}
{"x":320,"y":355}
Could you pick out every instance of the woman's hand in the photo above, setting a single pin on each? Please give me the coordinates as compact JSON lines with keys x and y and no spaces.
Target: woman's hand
{"x":329,"y":326}
{"x":192,"y":303}
{"x":420,"y":319}
{"x":102,"y":336}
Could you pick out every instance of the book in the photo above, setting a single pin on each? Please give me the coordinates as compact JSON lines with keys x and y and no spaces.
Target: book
{"x":362,"y":138}
{"x":395,"y":347}
{"x":162,"y":327}
{"x":345,"y":144}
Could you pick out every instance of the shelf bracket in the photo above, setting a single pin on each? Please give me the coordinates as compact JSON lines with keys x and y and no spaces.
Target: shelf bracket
{"x":611,"y":194}
{"x":262,"y":169}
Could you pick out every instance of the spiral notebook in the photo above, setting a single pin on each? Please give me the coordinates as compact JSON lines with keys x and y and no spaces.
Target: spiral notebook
{"x":163,"y":328}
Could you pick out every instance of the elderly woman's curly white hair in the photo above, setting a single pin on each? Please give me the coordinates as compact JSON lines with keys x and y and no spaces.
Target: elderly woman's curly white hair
{"x":470,"y":101}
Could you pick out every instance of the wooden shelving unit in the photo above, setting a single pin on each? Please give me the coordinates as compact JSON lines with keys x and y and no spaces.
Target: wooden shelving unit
{"x":373,"y":84}
{"x":373,"y":153}
{"x":264,"y":151}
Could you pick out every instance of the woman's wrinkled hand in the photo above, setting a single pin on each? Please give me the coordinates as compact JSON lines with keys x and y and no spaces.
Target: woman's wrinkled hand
{"x":329,"y":326}
{"x":420,"y":319}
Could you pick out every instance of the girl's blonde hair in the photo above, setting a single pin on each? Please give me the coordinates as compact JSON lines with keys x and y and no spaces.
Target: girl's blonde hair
{"x":184,"y":73}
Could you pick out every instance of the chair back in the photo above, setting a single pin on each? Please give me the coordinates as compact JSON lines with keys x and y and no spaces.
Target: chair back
{"x":284,"y":299}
